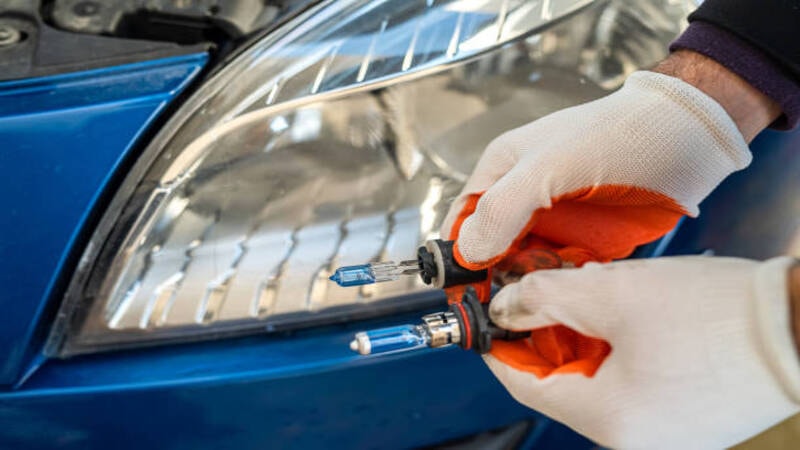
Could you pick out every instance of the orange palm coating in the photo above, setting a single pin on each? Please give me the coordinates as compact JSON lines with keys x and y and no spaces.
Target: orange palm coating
{"x":600,"y":223}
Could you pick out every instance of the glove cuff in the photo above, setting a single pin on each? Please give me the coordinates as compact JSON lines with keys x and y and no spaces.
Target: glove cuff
{"x":697,"y":142}
{"x":773,"y":316}
{"x":702,"y":108}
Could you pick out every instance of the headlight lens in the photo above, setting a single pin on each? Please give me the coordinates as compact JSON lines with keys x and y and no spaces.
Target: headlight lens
{"x":339,"y":139}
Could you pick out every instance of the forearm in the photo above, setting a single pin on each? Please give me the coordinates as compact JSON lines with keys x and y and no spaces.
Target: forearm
{"x":794,"y":301}
{"x":751,"y":110}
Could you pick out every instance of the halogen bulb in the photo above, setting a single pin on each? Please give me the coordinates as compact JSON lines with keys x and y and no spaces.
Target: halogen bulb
{"x":374,"y":273}
{"x":384,"y":340}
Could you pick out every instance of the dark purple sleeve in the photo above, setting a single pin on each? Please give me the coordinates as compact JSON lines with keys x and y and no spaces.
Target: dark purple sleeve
{"x":749,"y":62}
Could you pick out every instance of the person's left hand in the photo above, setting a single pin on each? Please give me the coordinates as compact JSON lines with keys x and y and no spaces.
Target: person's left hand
{"x":702,"y":354}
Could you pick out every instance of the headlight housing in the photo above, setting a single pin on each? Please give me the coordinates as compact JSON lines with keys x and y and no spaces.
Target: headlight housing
{"x":338,"y":139}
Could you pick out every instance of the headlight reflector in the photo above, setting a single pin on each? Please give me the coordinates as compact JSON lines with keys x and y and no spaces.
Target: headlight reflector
{"x":338,"y":139}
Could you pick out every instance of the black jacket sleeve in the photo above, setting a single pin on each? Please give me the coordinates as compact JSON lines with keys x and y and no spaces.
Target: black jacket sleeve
{"x":772,"y":26}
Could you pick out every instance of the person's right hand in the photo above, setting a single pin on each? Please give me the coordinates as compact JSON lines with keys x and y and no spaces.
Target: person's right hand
{"x":594,"y":181}
{"x":702,"y":355}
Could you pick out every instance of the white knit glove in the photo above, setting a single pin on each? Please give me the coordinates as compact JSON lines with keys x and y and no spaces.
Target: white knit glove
{"x":702,"y":351}
{"x":657,"y":143}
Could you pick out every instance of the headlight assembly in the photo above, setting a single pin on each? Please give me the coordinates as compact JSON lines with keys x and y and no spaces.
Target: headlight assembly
{"x":338,"y":139}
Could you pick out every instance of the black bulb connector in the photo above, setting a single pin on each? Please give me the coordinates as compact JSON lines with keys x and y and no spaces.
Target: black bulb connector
{"x":439,"y":268}
{"x":477,"y":330}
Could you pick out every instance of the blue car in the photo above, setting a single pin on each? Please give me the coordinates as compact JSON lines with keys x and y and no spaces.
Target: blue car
{"x":181,"y":178}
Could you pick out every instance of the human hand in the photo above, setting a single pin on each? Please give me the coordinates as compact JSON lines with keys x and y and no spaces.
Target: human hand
{"x":594,"y":181}
{"x":702,"y":352}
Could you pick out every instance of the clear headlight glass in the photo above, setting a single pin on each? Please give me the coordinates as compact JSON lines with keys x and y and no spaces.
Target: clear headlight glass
{"x":340,"y":138}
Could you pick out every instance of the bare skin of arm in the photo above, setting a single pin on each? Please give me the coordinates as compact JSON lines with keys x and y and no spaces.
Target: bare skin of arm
{"x":794,"y":295}
{"x":751,"y":110}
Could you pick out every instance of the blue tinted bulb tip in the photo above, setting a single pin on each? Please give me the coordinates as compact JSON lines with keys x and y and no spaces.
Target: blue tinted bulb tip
{"x":353,"y":275}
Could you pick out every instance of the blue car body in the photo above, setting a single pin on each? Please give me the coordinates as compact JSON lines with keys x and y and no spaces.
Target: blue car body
{"x":65,"y":142}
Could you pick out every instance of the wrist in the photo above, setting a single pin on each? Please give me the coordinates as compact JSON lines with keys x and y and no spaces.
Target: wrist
{"x":794,"y":302}
{"x":750,"y":109}
{"x":774,"y":314}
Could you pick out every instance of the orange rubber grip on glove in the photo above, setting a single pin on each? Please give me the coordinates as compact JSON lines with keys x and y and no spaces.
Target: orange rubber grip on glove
{"x":600,"y":223}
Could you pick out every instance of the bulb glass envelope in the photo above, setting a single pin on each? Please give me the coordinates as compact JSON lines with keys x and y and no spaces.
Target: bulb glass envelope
{"x":338,"y":139}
